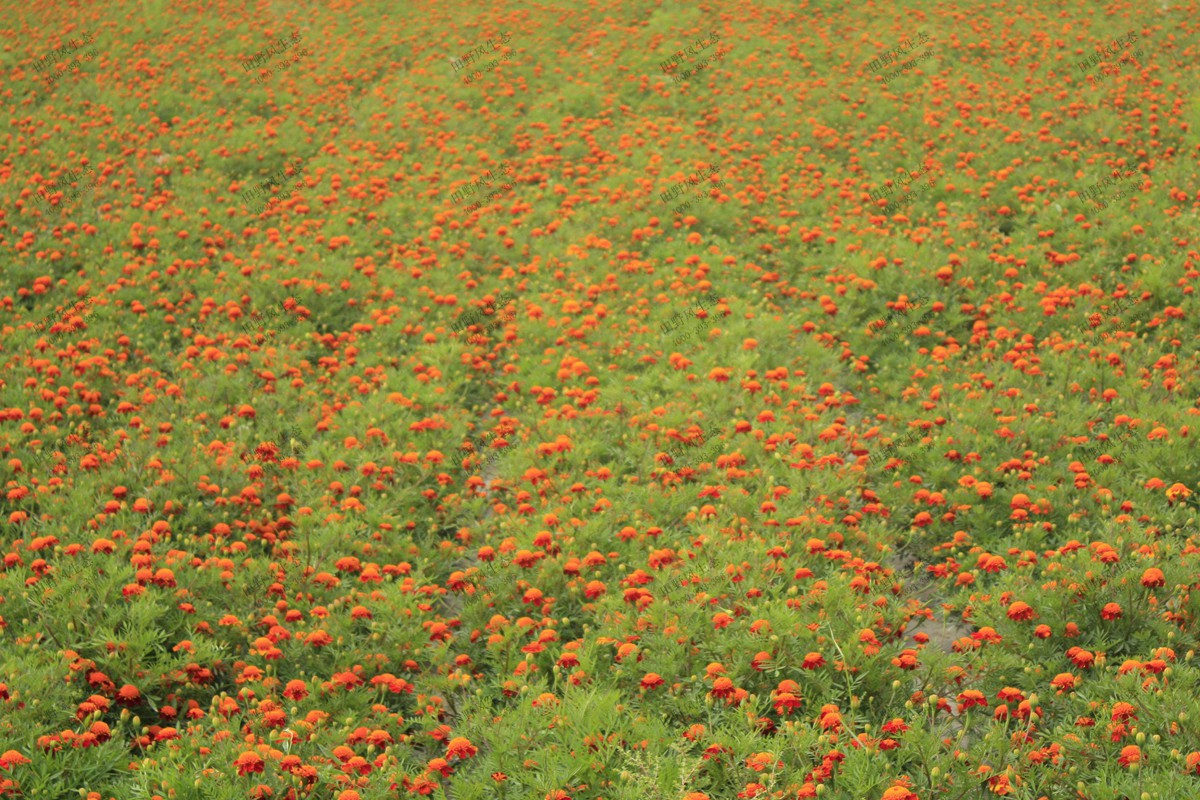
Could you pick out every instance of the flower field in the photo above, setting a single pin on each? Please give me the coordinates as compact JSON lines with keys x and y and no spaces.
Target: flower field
{"x":801,"y":406}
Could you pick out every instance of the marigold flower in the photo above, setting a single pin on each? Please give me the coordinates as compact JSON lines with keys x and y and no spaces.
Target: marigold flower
{"x":1111,"y":611}
{"x":11,"y":758}
{"x":1153,"y":578}
{"x":813,"y":661}
{"x":1176,"y":492}
{"x":460,"y":747}
{"x":296,"y":690}
{"x":1121,"y":712}
{"x":971,"y":698}
{"x":1064,"y":682}
{"x":786,"y":702}
{"x":129,"y":695}
{"x":1130,"y":754}
{"x":652,"y":680}
{"x":1020,"y":611}
{"x":249,"y":762}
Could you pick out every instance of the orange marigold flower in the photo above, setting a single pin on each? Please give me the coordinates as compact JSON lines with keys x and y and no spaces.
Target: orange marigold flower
{"x":248,"y":762}
{"x":1122,"y":712}
{"x":1111,"y":611}
{"x":1153,"y":578}
{"x":11,"y":758}
{"x":971,"y":698}
{"x":461,"y":747}
{"x":296,"y":690}
{"x":441,"y":766}
{"x":652,"y":680}
{"x":1130,"y":754}
{"x":1020,"y":611}
{"x":1177,"y":491}
{"x":899,"y":793}
{"x":812,"y":661}
{"x":129,"y":695}
{"x":1064,"y":682}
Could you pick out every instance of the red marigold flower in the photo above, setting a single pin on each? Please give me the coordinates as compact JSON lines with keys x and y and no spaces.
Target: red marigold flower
{"x":1020,"y":611}
{"x":1064,"y":682}
{"x":897,"y":725}
{"x":652,"y":680}
{"x":461,"y":747}
{"x":129,"y":695}
{"x":1042,"y":632}
{"x":1130,"y":754}
{"x":971,"y":698}
{"x":248,"y":762}
{"x":1193,"y":763}
{"x":1081,"y":658}
{"x":786,"y":702}
{"x":812,"y":661}
{"x":296,"y":690}
{"x":722,"y":688}
{"x":1153,"y":578}
{"x":1122,"y":712}
{"x":1010,"y":695}
{"x":1111,"y":611}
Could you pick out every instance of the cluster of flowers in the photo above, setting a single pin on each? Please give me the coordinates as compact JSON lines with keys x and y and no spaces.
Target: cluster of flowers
{"x":45,"y":459}
{"x":264,"y":187}
{"x":287,"y":62}
{"x":699,"y":195}
{"x":676,"y":321}
{"x":887,"y":451}
{"x":894,"y":54}
{"x":488,"y":67}
{"x":471,"y":55}
{"x":1121,"y":304}
{"x":51,"y":79}
{"x":1089,"y":63}
{"x":680,"y":187}
{"x":476,"y":317}
{"x":1094,"y":449}
{"x":256,"y":321}
{"x":906,"y":66}
{"x":1134,"y":182}
{"x":920,"y":300}
{"x":691,"y":50}
{"x":72,"y":176}
{"x":51,"y":319}
{"x":43,"y":64}
{"x":886,"y":191}
{"x":470,"y":189}
{"x":689,"y":73}
{"x":281,"y":45}
{"x":710,"y":435}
